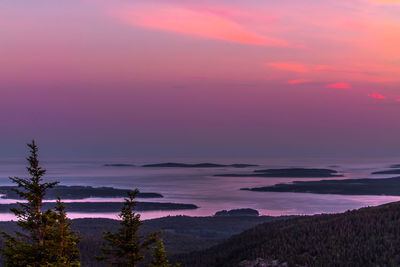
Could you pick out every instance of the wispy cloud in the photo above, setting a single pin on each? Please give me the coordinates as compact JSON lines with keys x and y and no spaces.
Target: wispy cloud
{"x":377,"y":96}
{"x":288,"y":66}
{"x":339,"y":85}
{"x":392,"y":2}
{"x":214,"y":24}
{"x":299,"y":81}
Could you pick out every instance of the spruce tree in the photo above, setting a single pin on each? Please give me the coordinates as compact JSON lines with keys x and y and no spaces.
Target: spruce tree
{"x":126,"y":247}
{"x":160,"y":256}
{"x":63,"y":245}
{"x":35,"y":245}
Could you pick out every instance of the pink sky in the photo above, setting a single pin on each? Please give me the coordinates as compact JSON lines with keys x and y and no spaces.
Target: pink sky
{"x":201,"y":78}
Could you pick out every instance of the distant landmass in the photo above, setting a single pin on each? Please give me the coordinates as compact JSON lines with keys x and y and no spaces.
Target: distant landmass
{"x":237,"y":212}
{"x":289,"y":172}
{"x":198,"y":165}
{"x":119,"y":165}
{"x":78,"y":192}
{"x":397,"y":171}
{"x":98,"y":207}
{"x":387,"y":186}
{"x":394,"y":166}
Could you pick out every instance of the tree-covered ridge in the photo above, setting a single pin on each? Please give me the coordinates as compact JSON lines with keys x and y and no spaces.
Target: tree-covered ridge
{"x":181,"y":234}
{"x":364,"y":237}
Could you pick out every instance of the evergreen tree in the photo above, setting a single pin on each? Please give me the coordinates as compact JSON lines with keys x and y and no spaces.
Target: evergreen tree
{"x":160,"y":256}
{"x":35,"y":244}
{"x":64,"y":242}
{"x":126,"y":247}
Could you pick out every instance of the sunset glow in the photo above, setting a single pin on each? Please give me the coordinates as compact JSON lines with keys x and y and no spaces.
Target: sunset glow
{"x":130,"y":69}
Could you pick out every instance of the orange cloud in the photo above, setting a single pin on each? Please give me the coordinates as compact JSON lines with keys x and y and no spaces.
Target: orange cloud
{"x":194,"y":22}
{"x":339,"y":85}
{"x":298,"y":81}
{"x":377,"y":96}
{"x":385,"y":1}
{"x":288,"y":66}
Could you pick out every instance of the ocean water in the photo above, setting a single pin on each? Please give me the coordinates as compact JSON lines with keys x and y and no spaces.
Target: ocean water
{"x":198,"y":185}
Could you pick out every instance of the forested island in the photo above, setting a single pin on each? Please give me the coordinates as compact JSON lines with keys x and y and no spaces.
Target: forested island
{"x":289,"y":172}
{"x":396,"y":171}
{"x":118,"y":165}
{"x":198,"y":165}
{"x":237,"y":212}
{"x":98,"y":207}
{"x":383,"y":186}
{"x":78,"y":192}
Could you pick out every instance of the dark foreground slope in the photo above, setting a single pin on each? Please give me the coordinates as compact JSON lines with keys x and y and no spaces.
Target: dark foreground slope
{"x":181,"y":234}
{"x":365,"y":237}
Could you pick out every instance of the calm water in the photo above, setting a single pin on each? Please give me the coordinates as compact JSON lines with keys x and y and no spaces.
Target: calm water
{"x":200,"y":187}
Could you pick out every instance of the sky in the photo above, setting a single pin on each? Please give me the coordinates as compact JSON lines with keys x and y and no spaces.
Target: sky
{"x":168,"y":78}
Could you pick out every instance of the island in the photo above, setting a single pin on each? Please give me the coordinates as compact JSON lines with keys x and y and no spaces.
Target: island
{"x":394,"y":166}
{"x":118,"y":165}
{"x":384,"y":186}
{"x":78,"y":192}
{"x":287,"y":173}
{"x":198,"y":165}
{"x":237,"y":212}
{"x":396,"y":171}
{"x":98,"y":207}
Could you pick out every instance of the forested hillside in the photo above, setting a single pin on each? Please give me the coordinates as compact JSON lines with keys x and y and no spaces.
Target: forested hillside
{"x":365,"y":237}
{"x":181,"y":234}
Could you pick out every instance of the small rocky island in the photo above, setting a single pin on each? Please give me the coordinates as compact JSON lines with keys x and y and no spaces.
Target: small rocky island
{"x":237,"y":212}
{"x":118,"y":165}
{"x":197,"y":165}
{"x":288,"y":173}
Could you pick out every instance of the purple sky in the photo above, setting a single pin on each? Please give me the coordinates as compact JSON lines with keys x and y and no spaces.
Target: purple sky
{"x":92,"y":78}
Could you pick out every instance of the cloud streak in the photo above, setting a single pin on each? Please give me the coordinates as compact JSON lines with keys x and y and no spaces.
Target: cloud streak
{"x":299,"y":81}
{"x":288,"y":66}
{"x":377,"y":96}
{"x":339,"y":85}
{"x":195,"y":22}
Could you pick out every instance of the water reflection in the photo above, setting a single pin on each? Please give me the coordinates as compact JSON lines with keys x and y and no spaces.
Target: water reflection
{"x":210,"y":193}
